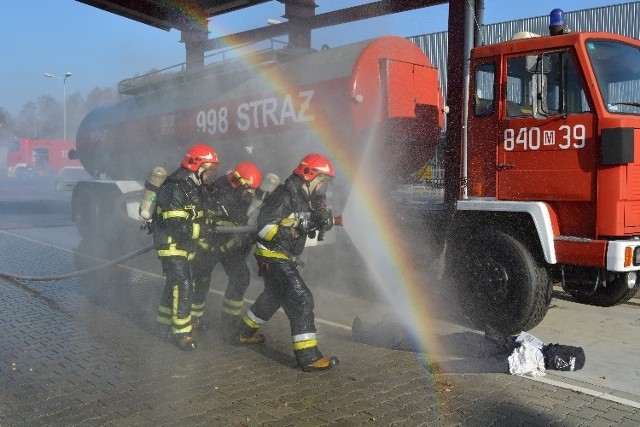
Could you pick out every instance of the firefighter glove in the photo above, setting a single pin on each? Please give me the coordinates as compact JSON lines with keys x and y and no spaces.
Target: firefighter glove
{"x":322,"y":218}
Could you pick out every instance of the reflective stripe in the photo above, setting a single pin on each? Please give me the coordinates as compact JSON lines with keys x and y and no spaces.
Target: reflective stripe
{"x":288,"y":222}
{"x":175,"y":214}
{"x":164,"y":320}
{"x":195,"y":230}
{"x":197,"y":310}
{"x":233,"y":302}
{"x":164,"y":315}
{"x":164,"y":310}
{"x":180,"y":325}
{"x":268,"y":231}
{"x":304,"y":337}
{"x":181,"y":321}
{"x":264,"y":252}
{"x":172,"y":251}
{"x":252,"y":321}
{"x":184,"y":330}
{"x":302,"y":345}
{"x":232,"y":311}
{"x":185,"y":213}
{"x":232,"y":306}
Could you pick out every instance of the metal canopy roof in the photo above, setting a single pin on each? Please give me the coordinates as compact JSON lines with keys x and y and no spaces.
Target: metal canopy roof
{"x":167,"y":15}
{"x":181,"y":14}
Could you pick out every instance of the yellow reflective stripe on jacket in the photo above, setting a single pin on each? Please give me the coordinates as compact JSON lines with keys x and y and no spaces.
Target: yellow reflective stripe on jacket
{"x":264,"y":252}
{"x":195,"y":230}
{"x":175,"y":214}
{"x":181,"y":213}
{"x":288,"y":222}
{"x":268,"y":231}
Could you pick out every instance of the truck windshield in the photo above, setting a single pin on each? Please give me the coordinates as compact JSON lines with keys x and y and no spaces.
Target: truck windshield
{"x":617,"y":69}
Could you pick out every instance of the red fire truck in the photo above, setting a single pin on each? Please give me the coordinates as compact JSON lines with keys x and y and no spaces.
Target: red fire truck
{"x":542,"y":185}
{"x":29,"y":158}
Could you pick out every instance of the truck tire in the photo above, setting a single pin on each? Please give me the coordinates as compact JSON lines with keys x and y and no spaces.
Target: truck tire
{"x":499,"y":282}
{"x":87,"y":212}
{"x":615,"y":293}
{"x":93,"y":208}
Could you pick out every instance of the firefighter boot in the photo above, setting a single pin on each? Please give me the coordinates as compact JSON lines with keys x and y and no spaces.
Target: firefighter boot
{"x":185,"y":342}
{"x":322,"y":364}
{"x":199,"y":324}
{"x":249,"y":339}
{"x":246,"y":335}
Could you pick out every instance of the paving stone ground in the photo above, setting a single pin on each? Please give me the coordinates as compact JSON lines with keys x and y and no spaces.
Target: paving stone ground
{"x":86,"y":352}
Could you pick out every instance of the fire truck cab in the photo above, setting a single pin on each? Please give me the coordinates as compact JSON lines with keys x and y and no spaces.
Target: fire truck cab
{"x":550,"y":185}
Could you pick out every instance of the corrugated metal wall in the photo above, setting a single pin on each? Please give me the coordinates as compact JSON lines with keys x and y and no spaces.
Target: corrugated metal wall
{"x":620,"y":19}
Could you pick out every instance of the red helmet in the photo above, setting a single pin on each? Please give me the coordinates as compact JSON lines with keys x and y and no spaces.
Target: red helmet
{"x":197,"y":155}
{"x":245,"y":174}
{"x":312,"y":165}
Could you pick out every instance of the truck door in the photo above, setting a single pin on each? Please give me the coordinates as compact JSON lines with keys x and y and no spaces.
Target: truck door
{"x":546,"y":151}
{"x":483,"y":125}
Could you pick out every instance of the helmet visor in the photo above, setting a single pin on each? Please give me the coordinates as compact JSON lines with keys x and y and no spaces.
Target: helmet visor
{"x":208,"y":172}
{"x":322,"y":184}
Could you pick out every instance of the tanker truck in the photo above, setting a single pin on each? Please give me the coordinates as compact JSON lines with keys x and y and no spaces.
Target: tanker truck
{"x":541,"y":178}
{"x":271,"y":107}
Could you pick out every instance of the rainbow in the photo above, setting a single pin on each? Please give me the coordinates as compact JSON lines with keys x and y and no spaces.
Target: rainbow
{"x":368,"y":221}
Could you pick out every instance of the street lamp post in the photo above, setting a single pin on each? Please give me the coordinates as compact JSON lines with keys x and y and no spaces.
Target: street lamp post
{"x":64,"y":98}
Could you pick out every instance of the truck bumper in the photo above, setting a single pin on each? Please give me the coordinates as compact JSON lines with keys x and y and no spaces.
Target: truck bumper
{"x":623,"y":255}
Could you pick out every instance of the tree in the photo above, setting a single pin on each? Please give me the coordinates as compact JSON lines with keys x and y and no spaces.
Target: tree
{"x":44,"y":119}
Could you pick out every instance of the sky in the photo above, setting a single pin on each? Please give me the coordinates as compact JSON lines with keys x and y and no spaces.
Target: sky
{"x":100,"y":48}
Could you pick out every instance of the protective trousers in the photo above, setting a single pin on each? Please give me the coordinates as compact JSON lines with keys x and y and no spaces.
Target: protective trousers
{"x":284,"y":287}
{"x":202,"y":268}
{"x":235,"y":266}
{"x":175,"y":302}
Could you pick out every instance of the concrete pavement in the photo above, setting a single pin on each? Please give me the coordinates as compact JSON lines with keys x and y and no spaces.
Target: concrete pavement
{"x":86,"y":352}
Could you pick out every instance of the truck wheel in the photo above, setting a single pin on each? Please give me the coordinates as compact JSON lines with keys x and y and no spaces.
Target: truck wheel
{"x":499,"y":281}
{"x":614,"y":293}
{"x":87,"y":207}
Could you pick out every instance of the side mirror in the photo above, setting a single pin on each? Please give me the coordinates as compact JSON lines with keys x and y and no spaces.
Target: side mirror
{"x":539,"y":66}
{"x":539,"y":96}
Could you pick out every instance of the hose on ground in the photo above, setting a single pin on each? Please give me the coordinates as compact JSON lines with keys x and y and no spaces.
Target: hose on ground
{"x":78,"y":273}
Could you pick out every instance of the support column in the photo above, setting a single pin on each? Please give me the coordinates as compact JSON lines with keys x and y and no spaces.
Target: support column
{"x":195,"y":39}
{"x":297,"y":11}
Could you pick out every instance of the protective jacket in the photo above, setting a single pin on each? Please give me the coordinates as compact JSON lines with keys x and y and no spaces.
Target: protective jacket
{"x":278,"y":237}
{"x":227,"y":207}
{"x":178,"y":226}
{"x":179,"y":215}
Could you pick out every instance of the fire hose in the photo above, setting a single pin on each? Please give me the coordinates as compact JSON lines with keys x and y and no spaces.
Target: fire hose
{"x":13,"y":276}
{"x":223,"y":229}
{"x":78,"y":273}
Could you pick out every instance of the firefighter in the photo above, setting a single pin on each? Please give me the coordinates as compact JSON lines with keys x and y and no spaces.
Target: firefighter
{"x":294,"y":211}
{"x":178,"y":230}
{"x":229,"y":199}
